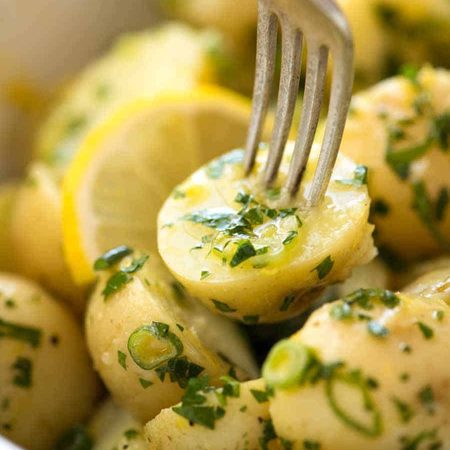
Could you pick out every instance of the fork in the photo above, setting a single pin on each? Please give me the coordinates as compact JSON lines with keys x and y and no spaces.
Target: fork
{"x":325,"y":30}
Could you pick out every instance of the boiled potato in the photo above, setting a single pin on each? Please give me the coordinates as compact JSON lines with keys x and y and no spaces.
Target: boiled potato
{"x":412,"y":272}
{"x":434,"y":284}
{"x":147,"y":337}
{"x":139,"y":65}
{"x":415,"y":31}
{"x":112,"y":427}
{"x":399,"y":129}
{"x":366,"y":372}
{"x":254,"y":255}
{"x":243,"y":426}
{"x":36,"y":235}
{"x":46,"y":380}
{"x":7,"y":197}
{"x":372,"y":275}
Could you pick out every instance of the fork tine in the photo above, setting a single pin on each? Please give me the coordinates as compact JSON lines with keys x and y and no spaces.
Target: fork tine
{"x":288,"y":92}
{"x":341,"y":90}
{"x":312,"y":103}
{"x":265,"y":65}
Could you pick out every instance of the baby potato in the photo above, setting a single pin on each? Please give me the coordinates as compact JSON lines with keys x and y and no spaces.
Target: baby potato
{"x":147,"y":337}
{"x":112,"y":427}
{"x":140,"y":65}
{"x":375,"y":274}
{"x":255,"y":255}
{"x":36,"y":234}
{"x":399,"y":129}
{"x":46,"y":380}
{"x":369,"y":371}
{"x":434,"y":284}
{"x":8,"y":193}
{"x":243,"y":426}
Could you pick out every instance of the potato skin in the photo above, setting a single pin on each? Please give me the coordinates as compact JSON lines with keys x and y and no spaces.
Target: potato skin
{"x":373,"y":127}
{"x":36,"y":232}
{"x":237,"y":430}
{"x":63,"y":387}
{"x":112,"y":427}
{"x":401,"y":376}
{"x":150,"y":297}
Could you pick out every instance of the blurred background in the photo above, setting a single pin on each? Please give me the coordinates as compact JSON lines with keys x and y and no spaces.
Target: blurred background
{"x":43,"y":43}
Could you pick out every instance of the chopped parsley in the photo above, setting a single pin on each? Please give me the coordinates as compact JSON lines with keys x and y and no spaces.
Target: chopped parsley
{"x":262,"y":396}
{"x":204,"y":274}
{"x":75,"y":438}
{"x":268,"y":434}
{"x":441,"y":204}
{"x":223,"y":307}
{"x":180,"y":370}
{"x":287,"y":302}
{"x":324,"y":268}
{"x":426,"y":397}
{"x":110,"y":258}
{"x":414,"y":443}
{"x":441,"y":130}
{"x":122,"y":359}
{"x":194,"y":405}
{"x":290,"y":237}
{"x":145,"y":383}
{"x":308,"y":444}
{"x":30,"y":335}
{"x":215,"y":169}
{"x":245,"y":250}
{"x":10,"y":303}
{"x":405,"y":348}
{"x":438,"y":315}
{"x":131,"y":434}
{"x":377,"y":329}
{"x":24,"y":371}
{"x":404,"y":410}
{"x":359,"y":177}
{"x":427,"y":332}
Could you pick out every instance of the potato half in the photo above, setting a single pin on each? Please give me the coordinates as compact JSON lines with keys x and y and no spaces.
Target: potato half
{"x":47,"y":383}
{"x":370,"y":369}
{"x":147,"y":337}
{"x":244,"y":424}
{"x":253,"y":255}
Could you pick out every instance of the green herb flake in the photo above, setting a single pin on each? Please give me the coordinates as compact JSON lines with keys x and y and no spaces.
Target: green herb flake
{"x":136,"y":265}
{"x":426,"y":398}
{"x":438,"y":315}
{"x":122,"y":359}
{"x":180,"y":327}
{"x":380,"y":207}
{"x":405,"y":348}
{"x":404,"y":377}
{"x":243,"y":408}
{"x":30,"y":335}
{"x":341,"y":311}
{"x":223,"y":307}
{"x":410,"y":72}
{"x":308,"y":444}
{"x":287,"y":302}
{"x":10,"y":303}
{"x":245,"y":250}
{"x":180,"y":370}
{"x":359,"y":177}
{"x":23,"y":368}
{"x":404,"y":410}
{"x":415,"y":442}
{"x":251,"y":319}
{"x":112,"y":257}
{"x":324,"y":268}
{"x":261,"y":396}
{"x":290,"y":237}
{"x":231,"y":386}
{"x":268,"y":435}
{"x":441,"y":205}
{"x":273,"y":193}
{"x":145,"y":383}
{"x":75,"y":438}
{"x":427,"y":332}
{"x":215,"y":169}
{"x":115,"y":283}
{"x":131,"y":434}
{"x":441,"y":130}
{"x":204,"y":274}
{"x":377,"y":329}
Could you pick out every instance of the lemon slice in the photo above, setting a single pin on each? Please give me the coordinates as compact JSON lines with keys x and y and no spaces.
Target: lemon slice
{"x":127,"y":167}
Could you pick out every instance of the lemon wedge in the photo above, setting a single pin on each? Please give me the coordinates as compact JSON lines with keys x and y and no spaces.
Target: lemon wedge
{"x":127,"y":167}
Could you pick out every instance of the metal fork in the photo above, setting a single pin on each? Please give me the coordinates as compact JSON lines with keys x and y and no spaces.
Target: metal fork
{"x":325,"y":30}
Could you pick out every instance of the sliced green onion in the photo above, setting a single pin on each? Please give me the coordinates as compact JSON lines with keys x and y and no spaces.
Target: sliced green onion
{"x":152,"y":345}
{"x":112,"y":257}
{"x":287,"y":364}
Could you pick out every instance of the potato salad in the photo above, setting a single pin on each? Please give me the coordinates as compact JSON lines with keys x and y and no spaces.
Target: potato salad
{"x":155,"y":296}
